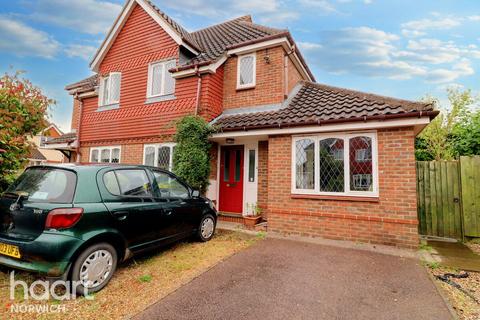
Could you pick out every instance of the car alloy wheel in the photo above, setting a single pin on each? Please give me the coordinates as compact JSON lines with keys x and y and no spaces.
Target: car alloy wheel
{"x":96,"y":269}
{"x":207,"y":227}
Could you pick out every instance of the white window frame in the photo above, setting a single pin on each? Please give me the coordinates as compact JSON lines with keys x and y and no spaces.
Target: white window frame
{"x":99,"y":149}
{"x":254,"y":78}
{"x":163,"y":63}
{"x":110,"y":102}
{"x":156,"y":147}
{"x":346,"y":138}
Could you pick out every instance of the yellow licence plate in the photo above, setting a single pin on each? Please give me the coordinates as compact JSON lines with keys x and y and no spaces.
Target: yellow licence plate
{"x":9,"y":250}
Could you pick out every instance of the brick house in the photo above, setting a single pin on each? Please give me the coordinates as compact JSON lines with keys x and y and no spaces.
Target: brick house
{"x":319,"y":160}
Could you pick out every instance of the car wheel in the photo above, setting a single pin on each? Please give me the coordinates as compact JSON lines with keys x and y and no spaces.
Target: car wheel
{"x":94,"y":268}
{"x":206,"y":229}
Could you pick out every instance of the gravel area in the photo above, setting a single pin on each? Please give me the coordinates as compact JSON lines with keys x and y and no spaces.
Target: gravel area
{"x":465,"y":307}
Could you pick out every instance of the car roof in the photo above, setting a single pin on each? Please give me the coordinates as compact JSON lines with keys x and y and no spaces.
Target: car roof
{"x":92,"y":166}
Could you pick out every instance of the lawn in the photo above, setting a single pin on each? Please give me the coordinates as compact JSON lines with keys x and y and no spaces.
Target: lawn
{"x":140,"y":282}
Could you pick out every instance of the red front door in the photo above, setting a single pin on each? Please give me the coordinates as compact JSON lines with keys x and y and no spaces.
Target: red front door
{"x":231,"y":179}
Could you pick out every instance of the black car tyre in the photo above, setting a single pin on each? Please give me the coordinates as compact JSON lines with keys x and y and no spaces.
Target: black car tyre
{"x":94,"y":268}
{"x":206,"y":229}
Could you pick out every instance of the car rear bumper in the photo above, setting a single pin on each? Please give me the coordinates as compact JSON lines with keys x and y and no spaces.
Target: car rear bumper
{"x":50,"y":254}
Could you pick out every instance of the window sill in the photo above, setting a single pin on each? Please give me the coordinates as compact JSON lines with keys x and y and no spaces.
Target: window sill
{"x":246,"y":88}
{"x":109,"y":107}
{"x":335,"y":198}
{"x":156,"y":99}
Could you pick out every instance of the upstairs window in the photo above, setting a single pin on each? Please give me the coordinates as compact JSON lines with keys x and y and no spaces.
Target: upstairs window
{"x":337,"y":164}
{"x":246,"y":71}
{"x":160,"y":81}
{"x":110,"y":89}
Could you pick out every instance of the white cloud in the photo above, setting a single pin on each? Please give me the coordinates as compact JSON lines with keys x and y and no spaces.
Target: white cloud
{"x":273,"y":12}
{"x":462,"y":68}
{"x":19,"y":39}
{"x":474,"y":18}
{"x":412,"y":33}
{"x":371,"y":52}
{"x":430,"y":24}
{"x":82,"y":51}
{"x":324,"y":5}
{"x":87,"y":16}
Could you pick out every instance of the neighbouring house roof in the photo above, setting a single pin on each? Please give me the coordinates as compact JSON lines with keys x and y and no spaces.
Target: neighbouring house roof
{"x":35,"y":154}
{"x":64,"y":138}
{"x":84,"y":85}
{"x":315,"y":104}
{"x":212,"y":43}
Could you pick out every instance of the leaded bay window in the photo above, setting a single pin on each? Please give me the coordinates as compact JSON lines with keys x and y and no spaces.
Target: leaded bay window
{"x":105,"y":154}
{"x":336,"y":164}
{"x":159,"y":155}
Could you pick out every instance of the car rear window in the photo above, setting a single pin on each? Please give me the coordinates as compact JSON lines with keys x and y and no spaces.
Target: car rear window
{"x":46,"y":185}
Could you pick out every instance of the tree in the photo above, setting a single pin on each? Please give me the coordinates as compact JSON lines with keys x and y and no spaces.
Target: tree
{"x":437,"y":139}
{"x":466,"y":136}
{"x":23,"y":109}
{"x":191,"y":158}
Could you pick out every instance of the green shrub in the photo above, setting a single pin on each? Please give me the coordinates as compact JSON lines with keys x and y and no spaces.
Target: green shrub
{"x":191,"y":159}
{"x":23,"y":109}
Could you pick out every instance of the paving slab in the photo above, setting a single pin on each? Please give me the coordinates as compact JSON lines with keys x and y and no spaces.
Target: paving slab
{"x":455,"y":255}
{"x":283,"y":279}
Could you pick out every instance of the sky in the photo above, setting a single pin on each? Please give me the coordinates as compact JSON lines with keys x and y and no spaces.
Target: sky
{"x":399,"y":48}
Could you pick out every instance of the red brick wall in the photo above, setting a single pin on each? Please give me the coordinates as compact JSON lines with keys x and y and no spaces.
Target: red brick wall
{"x":269,"y":88}
{"x":392,"y":220}
{"x":211,"y":101}
{"x":293,"y":75}
{"x":262,"y":197}
{"x":75,"y":114}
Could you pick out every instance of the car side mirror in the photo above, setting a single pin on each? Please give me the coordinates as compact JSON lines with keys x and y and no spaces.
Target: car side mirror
{"x":195,"y":193}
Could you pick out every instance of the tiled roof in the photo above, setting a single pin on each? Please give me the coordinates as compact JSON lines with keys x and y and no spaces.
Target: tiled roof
{"x":64,"y":138}
{"x":36,"y":154}
{"x":84,"y":85}
{"x":312,"y":103}
{"x":183,"y":33}
{"x":216,"y":39}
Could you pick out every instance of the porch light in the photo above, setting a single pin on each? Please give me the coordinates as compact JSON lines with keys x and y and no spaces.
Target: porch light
{"x":230,"y":140}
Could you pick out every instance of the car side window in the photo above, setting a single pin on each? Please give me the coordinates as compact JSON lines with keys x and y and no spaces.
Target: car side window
{"x":169,"y":186}
{"x":131,"y":182}
{"x":111,"y":183}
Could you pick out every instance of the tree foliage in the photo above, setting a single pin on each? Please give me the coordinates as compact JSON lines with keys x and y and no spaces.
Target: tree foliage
{"x":454,"y":132}
{"x":191,"y":159}
{"x":23,"y":109}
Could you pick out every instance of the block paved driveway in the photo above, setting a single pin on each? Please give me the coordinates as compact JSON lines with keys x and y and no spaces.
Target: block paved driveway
{"x":282,"y":279}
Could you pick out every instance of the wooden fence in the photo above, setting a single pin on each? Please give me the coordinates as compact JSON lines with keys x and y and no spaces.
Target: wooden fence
{"x":448,"y":194}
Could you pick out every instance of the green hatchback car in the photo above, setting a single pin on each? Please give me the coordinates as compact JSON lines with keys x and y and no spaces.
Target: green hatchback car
{"x":77,"y":222}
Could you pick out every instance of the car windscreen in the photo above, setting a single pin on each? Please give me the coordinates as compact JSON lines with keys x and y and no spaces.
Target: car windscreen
{"x":44,"y":184}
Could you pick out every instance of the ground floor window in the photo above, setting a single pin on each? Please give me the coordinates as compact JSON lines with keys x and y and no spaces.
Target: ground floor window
{"x":159,"y":155}
{"x":336,"y":164}
{"x":105,"y":154}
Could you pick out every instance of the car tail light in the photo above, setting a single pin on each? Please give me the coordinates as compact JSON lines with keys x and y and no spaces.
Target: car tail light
{"x":63,"y":218}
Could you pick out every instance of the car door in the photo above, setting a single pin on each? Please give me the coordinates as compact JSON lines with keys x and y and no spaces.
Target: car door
{"x":129,"y":197}
{"x":182,"y":213}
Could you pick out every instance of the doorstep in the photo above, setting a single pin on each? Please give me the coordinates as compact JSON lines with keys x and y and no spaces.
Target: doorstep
{"x":236,"y":226}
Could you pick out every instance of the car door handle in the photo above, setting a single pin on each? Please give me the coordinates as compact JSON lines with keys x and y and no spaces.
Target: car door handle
{"x":168,"y":212}
{"x":120,"y":215}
